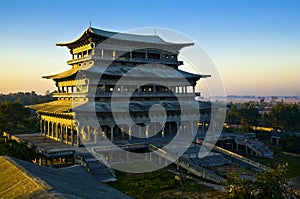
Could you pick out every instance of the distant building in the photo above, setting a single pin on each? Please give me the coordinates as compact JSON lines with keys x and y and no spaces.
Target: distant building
{"x":98,"y":64}
{"x":276,"y":137}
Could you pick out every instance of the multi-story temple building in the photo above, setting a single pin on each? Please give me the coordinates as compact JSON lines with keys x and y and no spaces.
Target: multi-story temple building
{"x":116,"y":73}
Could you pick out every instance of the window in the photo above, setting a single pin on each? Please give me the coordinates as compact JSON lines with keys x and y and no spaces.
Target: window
{"x":153,"y":56}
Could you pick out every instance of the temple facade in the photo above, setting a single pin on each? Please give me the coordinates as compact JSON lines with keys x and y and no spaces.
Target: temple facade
{"x":127,"y":71}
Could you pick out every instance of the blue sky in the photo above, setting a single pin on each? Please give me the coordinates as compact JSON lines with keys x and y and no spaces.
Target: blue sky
{"x":254,"y":44}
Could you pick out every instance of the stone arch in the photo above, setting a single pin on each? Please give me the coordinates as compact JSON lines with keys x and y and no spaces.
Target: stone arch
{"x":54,"y":130}
{"x":46,"y":127}
{"x":75,"y":135}
{"x":50,"y":128}
{"x":59,"y":131}
{"x":63,"y":133}
{"x":42,"y":127}
{"x":68,"y":135}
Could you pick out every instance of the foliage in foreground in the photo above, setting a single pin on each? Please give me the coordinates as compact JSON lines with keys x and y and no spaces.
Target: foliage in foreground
{"x":17,"y":150}
{"x":15,"y":117}
{"x":268,"y":184}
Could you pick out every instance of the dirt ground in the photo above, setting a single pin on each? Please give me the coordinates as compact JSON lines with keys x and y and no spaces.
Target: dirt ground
{"x":233,"y":170}
{"x":187,"y":195}
{"x":295,"y":184}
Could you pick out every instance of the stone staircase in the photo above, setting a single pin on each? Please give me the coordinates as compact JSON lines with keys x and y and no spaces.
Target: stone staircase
{"x":187,"y":164}
{"x":259,"y":148}
{"x":236,"y":158}
{"x":95,"y":166}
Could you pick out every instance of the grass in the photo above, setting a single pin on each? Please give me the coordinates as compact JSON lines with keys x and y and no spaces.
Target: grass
{"x":279,"y":156}
{"x":157,"y":184}
{"x":14,"y":184}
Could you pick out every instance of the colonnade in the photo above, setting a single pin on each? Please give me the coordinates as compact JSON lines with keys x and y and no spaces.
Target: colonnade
{"x":60,"y":130}
{"x":72,"y":133}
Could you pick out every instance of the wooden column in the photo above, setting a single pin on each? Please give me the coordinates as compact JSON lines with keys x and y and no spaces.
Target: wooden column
{"x":77,"y":140}
{"x":147,"y":131}
{"x":88,"y":133}
{"x":129,"y":131}
{"x":66,"y":134}
{"x":52,"y":129}
{"x":192,"y":126}
{"x":112,"y":132}
{"x":140,"y":131}
{"x":178,"y":130}
{"x":95,"y":136}
{"x":48,"y":128}
{"x":56,"y":131}
{"x":61,"y":133}
{"x":72,"y":135}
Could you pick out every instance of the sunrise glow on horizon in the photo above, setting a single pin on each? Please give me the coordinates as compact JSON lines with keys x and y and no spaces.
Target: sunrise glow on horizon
{"x":254,"y":44}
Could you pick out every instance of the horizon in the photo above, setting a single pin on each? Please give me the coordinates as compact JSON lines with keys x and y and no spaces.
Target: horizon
{"x":226,"y":96}
{"x":254,"y":44}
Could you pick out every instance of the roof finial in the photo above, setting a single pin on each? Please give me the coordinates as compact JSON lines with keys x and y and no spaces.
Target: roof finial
{"x":90,"y":23}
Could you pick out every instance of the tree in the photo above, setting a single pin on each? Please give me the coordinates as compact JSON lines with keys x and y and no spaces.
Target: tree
{"x":268,"y":184}
{"x":285,"y":116}
{"x":15,"y":117}
{"x":290,"y":143}
{"x":26,"y":98}
{"x":247,"y":116}
{"x":233,"y":116}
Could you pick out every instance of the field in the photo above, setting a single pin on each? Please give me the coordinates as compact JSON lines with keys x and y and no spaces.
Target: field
{"x":160,"y":184}
{"x":280,"y":157}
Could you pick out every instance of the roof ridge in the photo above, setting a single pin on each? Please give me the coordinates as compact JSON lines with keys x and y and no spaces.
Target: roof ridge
{"x":144,"y":38}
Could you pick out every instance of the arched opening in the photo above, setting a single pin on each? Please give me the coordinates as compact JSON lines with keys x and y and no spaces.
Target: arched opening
{"x":46,"y":127}
{"x":54,"y":130}
{"x":59,"y":132}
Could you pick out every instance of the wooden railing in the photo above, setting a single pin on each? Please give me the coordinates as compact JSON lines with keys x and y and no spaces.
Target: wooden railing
{"x":111,"y":58}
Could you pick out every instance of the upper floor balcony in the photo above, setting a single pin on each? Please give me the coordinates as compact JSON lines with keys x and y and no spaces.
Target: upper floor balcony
{"x":122,"y":94}
{"x":81,"y":59}
{"x":70,"y":95}
{"x":145,"y":94}
{"x":124,"y":59}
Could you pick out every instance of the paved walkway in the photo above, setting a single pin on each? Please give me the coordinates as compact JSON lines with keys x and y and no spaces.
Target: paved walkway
{"x":70,"y":182}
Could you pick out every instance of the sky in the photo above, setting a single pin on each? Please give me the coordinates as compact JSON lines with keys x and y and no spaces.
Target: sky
{"x":254,"y":44}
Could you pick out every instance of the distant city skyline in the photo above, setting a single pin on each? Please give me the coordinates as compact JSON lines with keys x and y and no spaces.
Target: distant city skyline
{"x":254,"y":44}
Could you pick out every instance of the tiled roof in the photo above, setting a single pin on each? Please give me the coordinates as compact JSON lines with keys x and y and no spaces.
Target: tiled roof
{"x":64,"y":74}
{"x":143,"y":71}
{"x":152,"y":39}
{"x":57,"y":106}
